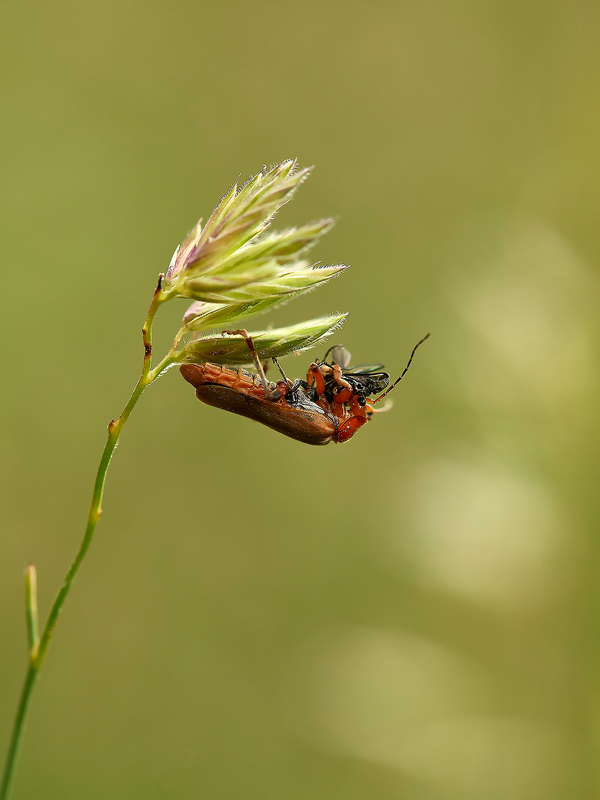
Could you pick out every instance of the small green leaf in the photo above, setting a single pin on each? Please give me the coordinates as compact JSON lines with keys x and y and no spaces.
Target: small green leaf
{"x":233,"y":350}
{"x":204,"y":316}
{"x":213,"y":289}
{"x":284,"y":246}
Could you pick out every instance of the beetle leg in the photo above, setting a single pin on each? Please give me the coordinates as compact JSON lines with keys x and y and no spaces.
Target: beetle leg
{"x":257,"y":365}
{"x":337,"y":374}
{"x":343,"y":396}
{"x":315,"y":378}
{"x":344,"y":391}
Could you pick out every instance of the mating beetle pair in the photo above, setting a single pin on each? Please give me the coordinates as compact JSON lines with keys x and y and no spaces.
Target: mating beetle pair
{"x":329,"y":406}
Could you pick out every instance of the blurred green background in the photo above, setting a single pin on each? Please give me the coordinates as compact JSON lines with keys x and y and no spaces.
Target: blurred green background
{"x":412,"y":614}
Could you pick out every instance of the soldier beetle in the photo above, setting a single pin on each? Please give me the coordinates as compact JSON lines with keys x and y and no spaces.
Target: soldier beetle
{"x":329,"y":406}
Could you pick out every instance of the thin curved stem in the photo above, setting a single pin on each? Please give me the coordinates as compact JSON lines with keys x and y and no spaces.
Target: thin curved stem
{"x":114,"y":431}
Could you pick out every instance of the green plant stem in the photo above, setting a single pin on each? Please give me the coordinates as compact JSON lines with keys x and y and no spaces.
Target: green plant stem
{"x":114,"y":431}
{"x":31,"y":611}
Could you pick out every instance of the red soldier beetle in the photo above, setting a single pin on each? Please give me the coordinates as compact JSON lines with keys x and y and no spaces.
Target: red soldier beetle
{"x":330,"y":406}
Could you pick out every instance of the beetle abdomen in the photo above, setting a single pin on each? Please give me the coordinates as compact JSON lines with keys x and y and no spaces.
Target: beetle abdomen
{"x":311,"y":426}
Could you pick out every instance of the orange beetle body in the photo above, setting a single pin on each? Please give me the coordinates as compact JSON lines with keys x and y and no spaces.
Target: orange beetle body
{"x":329,"y":406}
{"x":298,"y":410}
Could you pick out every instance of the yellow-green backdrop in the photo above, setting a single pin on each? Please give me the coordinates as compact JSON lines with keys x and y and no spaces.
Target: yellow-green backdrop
{"x":412,"y":614}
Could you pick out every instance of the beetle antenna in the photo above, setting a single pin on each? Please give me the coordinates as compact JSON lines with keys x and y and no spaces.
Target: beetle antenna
{"x":396,"y":382}
{"x":279,"y":367}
